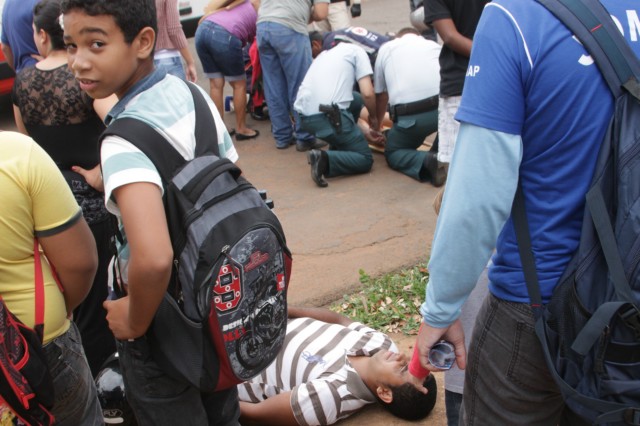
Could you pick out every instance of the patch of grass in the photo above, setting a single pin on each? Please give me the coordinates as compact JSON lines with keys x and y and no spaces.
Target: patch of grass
{"x":389,"y":303}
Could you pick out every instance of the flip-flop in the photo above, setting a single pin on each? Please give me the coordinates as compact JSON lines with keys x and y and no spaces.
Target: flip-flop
{"x":241,"y":137}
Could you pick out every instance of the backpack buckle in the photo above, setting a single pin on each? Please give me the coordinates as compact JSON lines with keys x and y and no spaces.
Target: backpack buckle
{"x":632,"y":416}
{"x":632,"y":319}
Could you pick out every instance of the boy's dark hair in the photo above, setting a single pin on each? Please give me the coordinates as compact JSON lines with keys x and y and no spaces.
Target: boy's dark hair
{"x":130,"y":15}
{"x":46,"y":16}
{"x":409,"y":403}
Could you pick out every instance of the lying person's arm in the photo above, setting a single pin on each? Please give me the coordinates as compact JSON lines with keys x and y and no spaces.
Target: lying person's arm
{"x":321,"y":314}
{"x":275,"y":411}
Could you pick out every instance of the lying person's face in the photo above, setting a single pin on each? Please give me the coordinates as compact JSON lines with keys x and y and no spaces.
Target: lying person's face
{"x":395,"y":391}
{"x":391,"y":368}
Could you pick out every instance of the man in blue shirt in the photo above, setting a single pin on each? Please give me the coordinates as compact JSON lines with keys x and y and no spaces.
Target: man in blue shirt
{"x":535,"y":108}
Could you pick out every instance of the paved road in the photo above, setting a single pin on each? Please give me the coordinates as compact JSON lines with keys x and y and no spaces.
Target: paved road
{"x":378,"y":222}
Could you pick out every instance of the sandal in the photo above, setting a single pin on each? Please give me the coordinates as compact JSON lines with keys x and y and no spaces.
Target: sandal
{"x":241,"y":137}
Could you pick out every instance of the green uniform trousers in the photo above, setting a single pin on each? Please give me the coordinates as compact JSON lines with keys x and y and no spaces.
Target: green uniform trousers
{"x":403,"y":139}
{"x":349,"y":152}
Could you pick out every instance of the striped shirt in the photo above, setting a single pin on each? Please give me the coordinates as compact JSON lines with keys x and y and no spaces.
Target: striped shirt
{"x":164,"y":102}
{"x":313,"y":365}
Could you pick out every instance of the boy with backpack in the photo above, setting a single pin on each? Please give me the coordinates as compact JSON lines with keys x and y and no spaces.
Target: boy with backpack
{"x":535,"y":110}
{"x":110,"y":45}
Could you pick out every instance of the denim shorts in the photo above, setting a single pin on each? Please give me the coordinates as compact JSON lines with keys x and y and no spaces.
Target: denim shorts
{"x":220,"y":52}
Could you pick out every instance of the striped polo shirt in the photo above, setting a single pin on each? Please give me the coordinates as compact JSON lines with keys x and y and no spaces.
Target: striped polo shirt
{"x":313,"y":365}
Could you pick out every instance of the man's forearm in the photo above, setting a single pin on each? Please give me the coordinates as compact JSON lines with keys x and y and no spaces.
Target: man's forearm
{"x":476,"y":205}
{"x":369,"y":100}
{"x":382,"y":99}
{"x":319,"y":11}
{"x":321,"y":314}
{"x":150,"y":251}
{"x":275,"y":411}
{"x":146,"y":289}
{"x":452,"y":38}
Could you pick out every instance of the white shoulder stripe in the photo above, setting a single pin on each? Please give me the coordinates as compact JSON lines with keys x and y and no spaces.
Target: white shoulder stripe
{"x":513,"y":19}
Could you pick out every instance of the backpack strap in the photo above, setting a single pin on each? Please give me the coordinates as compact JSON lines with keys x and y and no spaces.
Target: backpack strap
{"x":523,"y":237}
{"x":592,"y":24}
{"x":205,"y":130}
{"x":154,"y":145}
{"x":39,"y":291}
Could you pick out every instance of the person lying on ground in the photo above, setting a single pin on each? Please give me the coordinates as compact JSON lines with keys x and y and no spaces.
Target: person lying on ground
{"x":329,"y":368}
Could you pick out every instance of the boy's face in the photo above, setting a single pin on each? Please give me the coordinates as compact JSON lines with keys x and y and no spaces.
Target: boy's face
{"x":390,"y":367}
{"x":100,"y":58}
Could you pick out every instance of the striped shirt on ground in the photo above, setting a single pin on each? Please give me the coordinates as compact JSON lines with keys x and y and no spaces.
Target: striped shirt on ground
{"x":313,"y":365}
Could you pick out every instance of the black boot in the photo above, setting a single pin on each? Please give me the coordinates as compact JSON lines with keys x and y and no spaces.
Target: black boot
{"x":319,"y":164}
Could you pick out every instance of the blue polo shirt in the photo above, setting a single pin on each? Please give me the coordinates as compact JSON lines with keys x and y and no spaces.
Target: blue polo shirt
{"x":528,"y":76}
{"x":534,"y":106}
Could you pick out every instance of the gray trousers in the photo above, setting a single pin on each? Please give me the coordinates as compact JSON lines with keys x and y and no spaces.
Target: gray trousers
{"x":507,"y":381}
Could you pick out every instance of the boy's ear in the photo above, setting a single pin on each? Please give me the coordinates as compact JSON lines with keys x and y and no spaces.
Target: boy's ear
{"x":384,"y":393}
{"x":146,"y":40}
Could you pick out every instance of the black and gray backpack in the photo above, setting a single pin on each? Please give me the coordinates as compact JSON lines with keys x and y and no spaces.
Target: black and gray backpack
{"x":223,"y":319}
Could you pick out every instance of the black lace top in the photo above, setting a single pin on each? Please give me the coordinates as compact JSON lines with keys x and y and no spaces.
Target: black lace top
{"x":61,"y":119}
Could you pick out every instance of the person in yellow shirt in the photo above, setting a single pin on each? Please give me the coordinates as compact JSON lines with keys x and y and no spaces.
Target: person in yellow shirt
{"x":37,"y":203}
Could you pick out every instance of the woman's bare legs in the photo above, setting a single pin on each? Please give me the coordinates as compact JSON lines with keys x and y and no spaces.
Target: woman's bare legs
{"x":215,"y":91}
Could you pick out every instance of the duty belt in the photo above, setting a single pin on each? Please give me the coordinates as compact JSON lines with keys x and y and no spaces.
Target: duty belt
{"x":423,"y":105}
